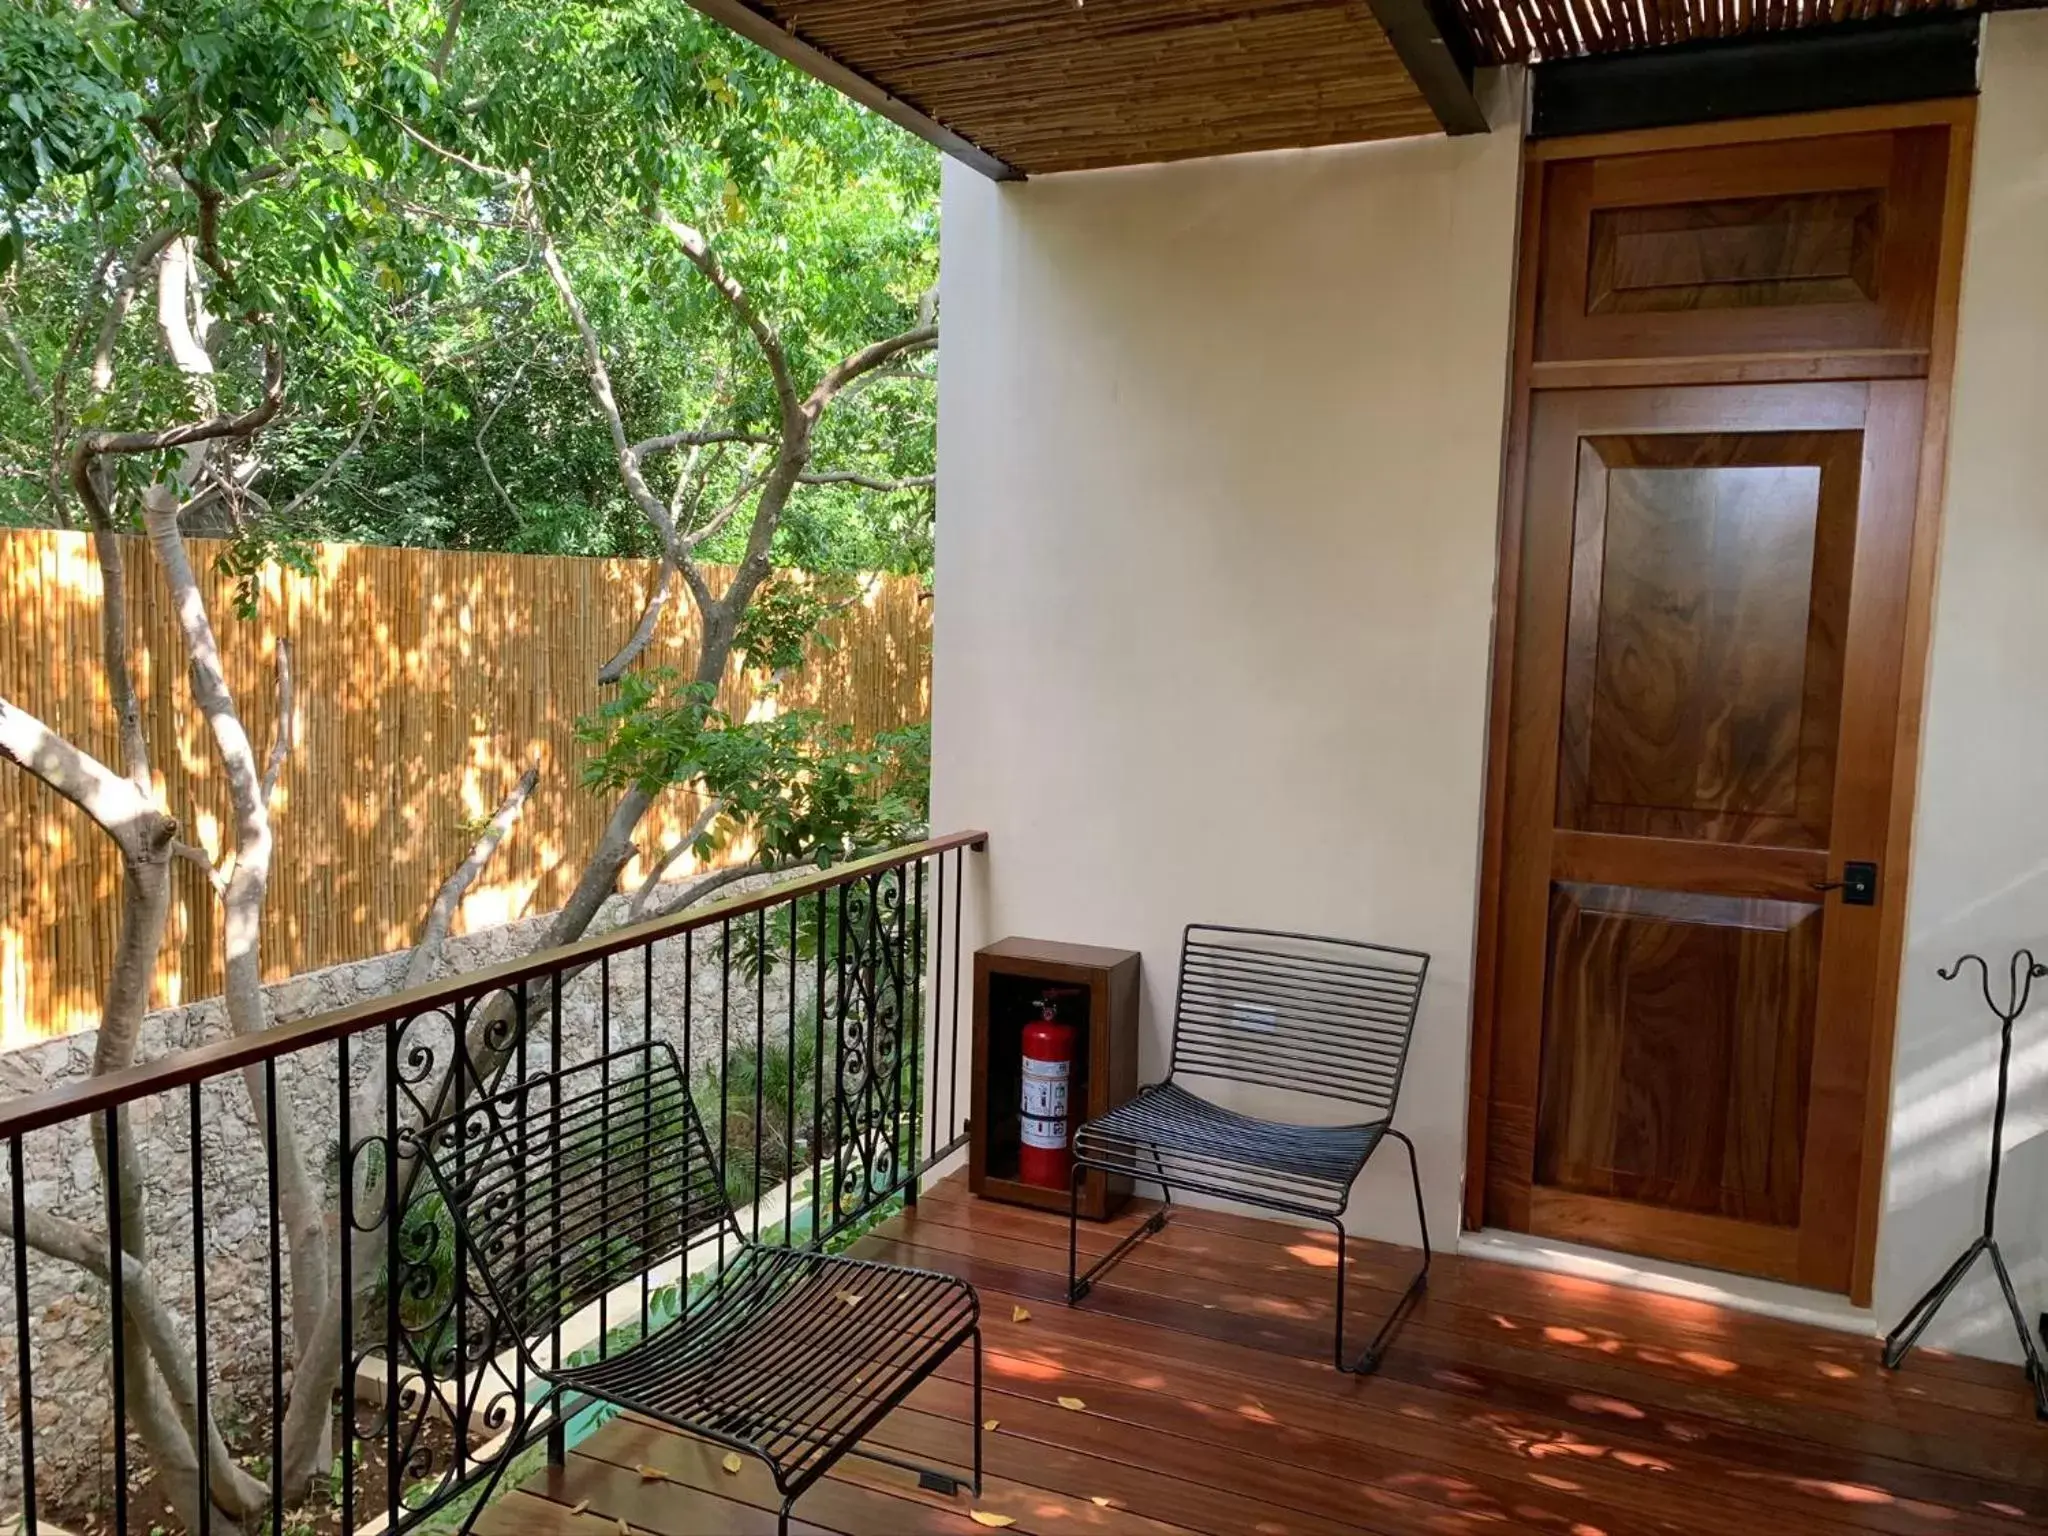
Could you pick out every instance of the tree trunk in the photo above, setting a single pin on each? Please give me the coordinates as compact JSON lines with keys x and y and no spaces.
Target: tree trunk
{"x":299,"y":1201}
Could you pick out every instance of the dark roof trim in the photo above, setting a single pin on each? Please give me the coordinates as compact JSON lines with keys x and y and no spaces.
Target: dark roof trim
{"x":768,"y":34}
{"x":1435,"y":50}
{"x":1848,"y":64}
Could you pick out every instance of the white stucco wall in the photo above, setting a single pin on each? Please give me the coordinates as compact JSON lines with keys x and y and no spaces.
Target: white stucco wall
{"x":1980,"y":865}
{"x":1219,"y":463}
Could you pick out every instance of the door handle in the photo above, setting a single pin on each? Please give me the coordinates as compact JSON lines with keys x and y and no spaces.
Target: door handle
{"x":1858,"y":884}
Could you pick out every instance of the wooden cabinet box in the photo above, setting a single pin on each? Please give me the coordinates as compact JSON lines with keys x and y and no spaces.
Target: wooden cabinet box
{"x":1099,"y":999}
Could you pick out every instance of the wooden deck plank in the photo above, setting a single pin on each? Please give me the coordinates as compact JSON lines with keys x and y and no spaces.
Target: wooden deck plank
{"x":1688,"y":1340}
{"x":1652,"y":1377}
{"x":1512,"y":1401}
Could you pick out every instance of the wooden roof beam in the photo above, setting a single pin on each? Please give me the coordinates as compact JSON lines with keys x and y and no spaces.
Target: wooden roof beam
{"x":1437,"y":54}
{"x":784,"y":44}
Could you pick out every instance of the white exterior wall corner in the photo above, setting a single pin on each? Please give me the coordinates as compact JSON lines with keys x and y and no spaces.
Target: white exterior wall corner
{"x":1219,"y":471}
{"x":1980,"y":842}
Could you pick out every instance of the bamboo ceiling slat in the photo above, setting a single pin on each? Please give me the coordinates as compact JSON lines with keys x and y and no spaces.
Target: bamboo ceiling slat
{"x":1515,"y":31}
{"x":1051,"y":85}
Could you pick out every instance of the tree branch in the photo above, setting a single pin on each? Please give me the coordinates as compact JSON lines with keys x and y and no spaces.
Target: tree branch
{"x":281,"y":746}
{"x":651,"y":506}
{"x":643,"y":632}
{"x":718,"y":880}
{"x":441,"y":913}
{"x":116,"y":805}
{"x":152,"y":246}
{"x":705,"y":260}
{"x":447,"y":43}
{"x":326,"y":476}
{"x":177,"y":302}
{"x":192,"y":854}
{"x":483,"y":454}
{"x":867,"y":360}
{"x":699,"y":439}
{"x":489,"y":172}
{"x":677,"y":849}
{"x":724,"y":514}
{"x":239,"y":424}
{"x":22,"y":361}
{"x":865,"y":481}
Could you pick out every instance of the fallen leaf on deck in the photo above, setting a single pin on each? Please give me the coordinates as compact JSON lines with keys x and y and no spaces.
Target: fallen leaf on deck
{"x":1020,"y":1314}
{"x":652,"y":1474}
{"x":624,"y":1529}
{"x":990,"y":1424}
{"x":1072,"y":1404}
{"x":983,"y":1517}
{"x":851,"y":1298}
{"x":579,"y":1506}
{"x":1100,"y":1502}
{"x":732,"y":1463}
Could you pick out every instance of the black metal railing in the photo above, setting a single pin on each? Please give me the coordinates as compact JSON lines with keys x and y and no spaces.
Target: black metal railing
{"x":286,"y":1335}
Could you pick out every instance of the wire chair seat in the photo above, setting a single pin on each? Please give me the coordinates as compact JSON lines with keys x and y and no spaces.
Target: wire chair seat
{"x":1295,"y":1013}
{"x":789,"y":1352}
{"x":573,"y":1185}
{"x":1171,"y":1136}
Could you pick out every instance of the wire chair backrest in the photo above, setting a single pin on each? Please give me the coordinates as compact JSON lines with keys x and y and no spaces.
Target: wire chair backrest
{"x":1330,"y":1017}
{"x":576,"y":1182}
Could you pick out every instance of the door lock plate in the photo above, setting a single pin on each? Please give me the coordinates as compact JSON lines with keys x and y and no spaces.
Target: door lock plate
{"x":1859,"y":884}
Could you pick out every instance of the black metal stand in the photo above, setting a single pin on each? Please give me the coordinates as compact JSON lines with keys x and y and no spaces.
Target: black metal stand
{"x":2024,"y":970}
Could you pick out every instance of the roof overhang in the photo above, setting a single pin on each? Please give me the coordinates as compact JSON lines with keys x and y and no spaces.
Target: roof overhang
{"x":1022,"y":87}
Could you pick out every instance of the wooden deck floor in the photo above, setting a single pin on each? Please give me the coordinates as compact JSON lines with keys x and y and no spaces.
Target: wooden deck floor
{"x":1514,"y":1401}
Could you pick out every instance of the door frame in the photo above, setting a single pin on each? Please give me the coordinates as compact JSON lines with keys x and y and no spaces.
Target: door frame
{"x":1937,"y":366}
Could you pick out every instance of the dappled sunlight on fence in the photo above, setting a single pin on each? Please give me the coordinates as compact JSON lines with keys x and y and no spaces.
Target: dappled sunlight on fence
{"x":426,"y":681}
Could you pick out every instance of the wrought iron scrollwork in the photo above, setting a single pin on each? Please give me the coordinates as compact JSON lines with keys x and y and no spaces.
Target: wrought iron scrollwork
{"x":869,"y":1010}
{"x":422,"y":1324}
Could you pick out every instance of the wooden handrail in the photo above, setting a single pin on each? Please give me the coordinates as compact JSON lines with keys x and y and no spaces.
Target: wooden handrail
{"x":96,"y":1095}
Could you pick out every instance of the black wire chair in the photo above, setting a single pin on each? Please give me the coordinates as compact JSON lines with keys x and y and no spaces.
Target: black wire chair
{"x":578,"y":1183}
{"x":1328,"y":1017}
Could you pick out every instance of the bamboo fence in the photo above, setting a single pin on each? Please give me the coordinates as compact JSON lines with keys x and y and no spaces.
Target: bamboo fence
{"x":427,"y":680}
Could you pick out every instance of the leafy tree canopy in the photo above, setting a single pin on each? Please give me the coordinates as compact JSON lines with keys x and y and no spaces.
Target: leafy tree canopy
{"x":319,"y":150}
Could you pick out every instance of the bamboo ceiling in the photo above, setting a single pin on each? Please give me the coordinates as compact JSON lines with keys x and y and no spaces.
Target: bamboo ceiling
{"x":1029,"y":86}
{"x":1517,"y":31}
{"x":1056,"y":85}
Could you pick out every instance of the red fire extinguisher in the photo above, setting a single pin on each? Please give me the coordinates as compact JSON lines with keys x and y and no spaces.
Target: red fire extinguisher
{"x":1043,"y":1158}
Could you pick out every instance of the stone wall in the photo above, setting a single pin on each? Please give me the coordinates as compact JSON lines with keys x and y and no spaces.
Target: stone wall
{"x":68,"y":1312}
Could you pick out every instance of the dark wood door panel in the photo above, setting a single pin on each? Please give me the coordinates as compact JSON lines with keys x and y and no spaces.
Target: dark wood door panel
{"x":1710,"y":586}
{"x":1743,"y":249}
{"x":1678,"y":1041}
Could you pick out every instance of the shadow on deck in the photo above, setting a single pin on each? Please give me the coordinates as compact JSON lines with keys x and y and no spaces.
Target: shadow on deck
{"x":1512,"y":1401}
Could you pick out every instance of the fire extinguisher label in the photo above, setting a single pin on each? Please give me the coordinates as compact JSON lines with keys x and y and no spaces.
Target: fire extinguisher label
{"x":1044,"y":1122}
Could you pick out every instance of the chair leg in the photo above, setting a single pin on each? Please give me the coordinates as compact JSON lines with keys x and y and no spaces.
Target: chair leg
{"x":977,"y":1413}
{"x":521,"y":1428}
{"x":1081,"y":1286}
{"x":1369,"y":1362}
{"x":782,"y":1520}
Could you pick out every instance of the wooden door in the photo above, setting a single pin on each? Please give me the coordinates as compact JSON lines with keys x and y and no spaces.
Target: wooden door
{"x":1696,"y":857}
{"x":1712,"y":595}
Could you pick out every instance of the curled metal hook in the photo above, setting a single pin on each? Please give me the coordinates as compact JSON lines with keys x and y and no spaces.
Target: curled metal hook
{"x":2022,"y":971}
